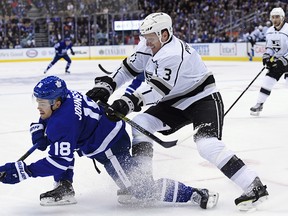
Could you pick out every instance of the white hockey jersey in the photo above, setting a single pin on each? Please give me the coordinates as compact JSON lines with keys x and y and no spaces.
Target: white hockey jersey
{"x":277,"y":41}
{"x":175,"y":75}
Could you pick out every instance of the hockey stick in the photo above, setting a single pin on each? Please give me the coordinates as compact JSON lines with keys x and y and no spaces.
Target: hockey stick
{"x":244,"y":91}
{"x":22,"y":158}
{"x":165,"y":144}
{"x":104,"y":70}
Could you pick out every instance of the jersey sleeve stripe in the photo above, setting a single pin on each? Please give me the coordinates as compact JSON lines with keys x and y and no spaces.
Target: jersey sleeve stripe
{"x":129,"y":68}
{"x":55,"y":164}
{"x":207,"y":82}
{"x":160,"y":86}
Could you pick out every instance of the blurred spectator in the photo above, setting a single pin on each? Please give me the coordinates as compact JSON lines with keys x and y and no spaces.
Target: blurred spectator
{"x":90,"y":22}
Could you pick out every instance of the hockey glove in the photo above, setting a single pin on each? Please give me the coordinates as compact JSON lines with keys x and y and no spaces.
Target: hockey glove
{"x":127,"y":104}
{"x":72,"y":52}
{"x":266,"y":60}
{"x":38,"y":136}
{"x":281,"y":62}
{"x":104,"y":87}
{"x":14,"y":172}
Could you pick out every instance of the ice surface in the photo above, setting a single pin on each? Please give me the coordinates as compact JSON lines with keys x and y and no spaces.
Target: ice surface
{"x":260,"y":141}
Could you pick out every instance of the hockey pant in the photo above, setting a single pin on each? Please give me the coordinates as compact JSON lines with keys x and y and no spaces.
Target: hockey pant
{"x":67,"y":175}
{"x":57,"y":58}
{"x":206,"y":115}
{"x":272,"y":77}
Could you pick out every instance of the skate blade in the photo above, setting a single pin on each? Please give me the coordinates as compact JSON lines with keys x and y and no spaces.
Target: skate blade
{"x":51,"y":202}
{"x":255,"y":113}
{"x":132,"y":201}
{"x":250,"y":206}
{"x":213,"y":200}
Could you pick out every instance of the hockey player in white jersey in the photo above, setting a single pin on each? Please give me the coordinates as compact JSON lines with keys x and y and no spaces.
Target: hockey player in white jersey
{"x":275,"y":57}
{"x":181,"y":91}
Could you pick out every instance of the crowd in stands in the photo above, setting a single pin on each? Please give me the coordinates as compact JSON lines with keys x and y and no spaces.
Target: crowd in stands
{"x":89,"y":22}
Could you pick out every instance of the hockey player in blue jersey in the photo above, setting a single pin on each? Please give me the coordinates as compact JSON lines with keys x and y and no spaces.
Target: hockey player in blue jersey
{"x":71,"y":122}
{"x":61,"y":50}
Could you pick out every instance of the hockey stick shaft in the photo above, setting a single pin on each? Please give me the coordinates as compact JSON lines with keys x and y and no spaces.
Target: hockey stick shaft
{"x":244,"y":91}
{"x":22,"y":158}
{"x":104,"y":70}
{"x":29,"y":152}
{"x":165,"y":144}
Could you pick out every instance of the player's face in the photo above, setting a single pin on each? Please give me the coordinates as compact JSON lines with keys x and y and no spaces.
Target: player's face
{"x":67,"y":43}
{"x":45,"y":108}
{"x":276,"y":20}
{"x":152,"y":41}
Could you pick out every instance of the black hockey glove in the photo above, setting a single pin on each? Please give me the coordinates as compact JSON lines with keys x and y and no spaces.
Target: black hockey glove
{"x":266,"y":60}
{"x":280,"y":63}
{"x":127,"y":104}
{"x":72,"y":52}
{"x":14,"y":172}
{"x":38,"y":136}
{"x":104,"y":87}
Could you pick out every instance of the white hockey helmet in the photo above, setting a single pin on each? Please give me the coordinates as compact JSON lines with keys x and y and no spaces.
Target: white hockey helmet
{"x":277,"y":11}
{"x":155,"y":23}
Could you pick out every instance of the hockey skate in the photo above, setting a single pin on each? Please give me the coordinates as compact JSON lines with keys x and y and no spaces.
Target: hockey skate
{"x":204,"y":198}
{"x":255,"y":195}
{"x":255,"y":110}
{"x":63,"y":194}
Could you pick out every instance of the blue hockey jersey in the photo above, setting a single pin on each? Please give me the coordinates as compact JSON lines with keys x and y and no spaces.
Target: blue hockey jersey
{"x":78,"y":125}
{"x":61,"y":48}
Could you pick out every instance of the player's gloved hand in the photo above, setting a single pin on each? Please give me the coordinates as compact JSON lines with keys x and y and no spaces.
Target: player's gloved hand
{"x":280,"y":62}
{"x":72,"y":52}
{"x":266,"y":60}
{"x":127,"y":104}
{"x":104,"y":87}
{"x":14,"y":172}
{"x":38,"y":135}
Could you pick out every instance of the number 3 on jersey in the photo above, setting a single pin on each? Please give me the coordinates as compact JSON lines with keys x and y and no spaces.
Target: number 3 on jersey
{"x":167,"y":75}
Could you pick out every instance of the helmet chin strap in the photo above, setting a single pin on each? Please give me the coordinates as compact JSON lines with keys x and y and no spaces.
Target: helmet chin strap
{"x":160,"y":39}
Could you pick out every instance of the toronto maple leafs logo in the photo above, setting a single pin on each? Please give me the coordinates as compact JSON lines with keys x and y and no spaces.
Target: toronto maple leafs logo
{"x":58,"y":84}
{"x":276,"y":44}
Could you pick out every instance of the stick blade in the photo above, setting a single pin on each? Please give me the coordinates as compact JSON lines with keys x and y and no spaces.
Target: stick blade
{"x":104,"y":70}
{"x":168,"y":144}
